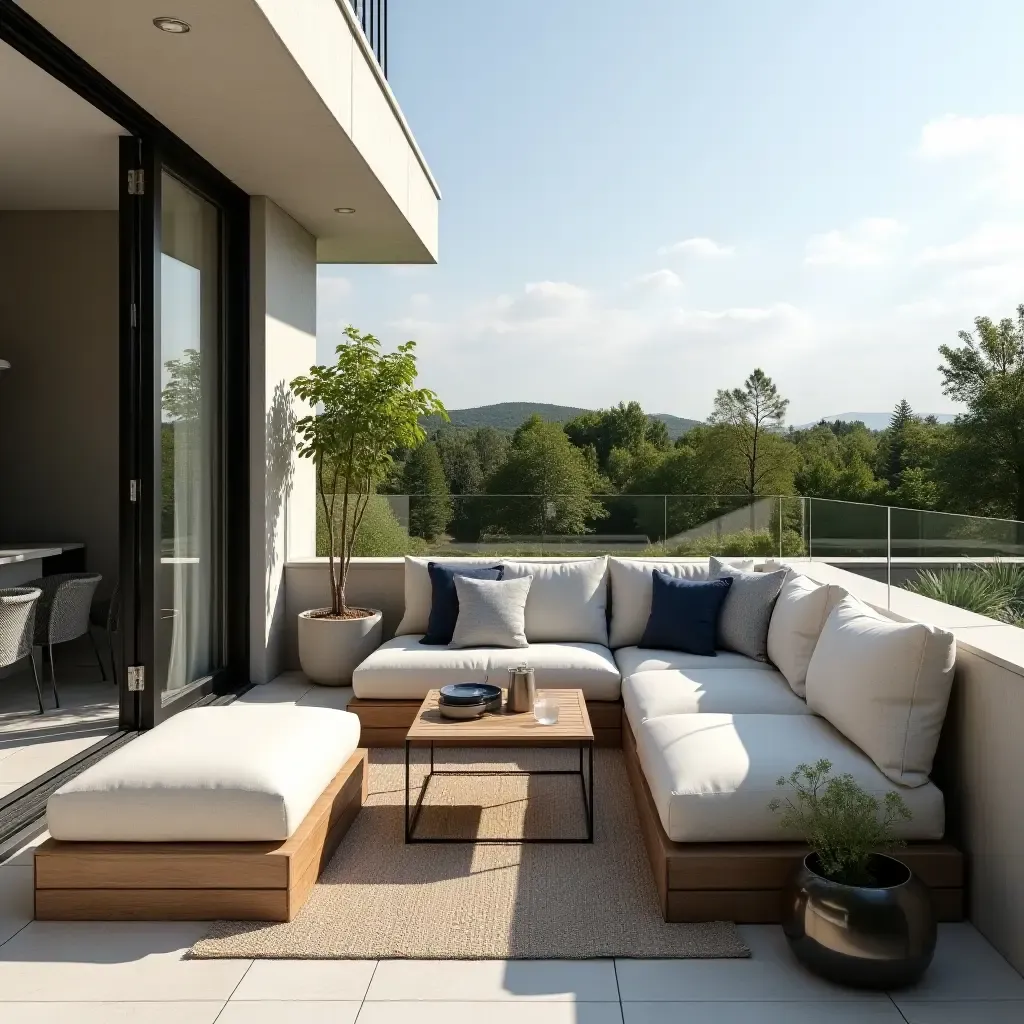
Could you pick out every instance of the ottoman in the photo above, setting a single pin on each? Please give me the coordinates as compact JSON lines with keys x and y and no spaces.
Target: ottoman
{"x":220,"y":812}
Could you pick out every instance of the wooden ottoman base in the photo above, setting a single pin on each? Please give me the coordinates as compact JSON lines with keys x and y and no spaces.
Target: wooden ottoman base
{"x":198,"y":881}
{"x":745,"y":882}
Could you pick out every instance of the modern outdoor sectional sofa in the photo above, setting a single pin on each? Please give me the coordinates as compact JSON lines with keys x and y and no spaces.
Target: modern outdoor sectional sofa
{"x":705,"y":738}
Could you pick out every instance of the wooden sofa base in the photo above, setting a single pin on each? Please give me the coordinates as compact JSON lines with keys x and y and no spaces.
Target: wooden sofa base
{"x":198,"y":881}
{"x":745,"y":882}
{"x":385,"y":722}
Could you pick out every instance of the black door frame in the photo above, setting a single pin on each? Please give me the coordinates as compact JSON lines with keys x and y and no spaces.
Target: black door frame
{"x":151,"y":146}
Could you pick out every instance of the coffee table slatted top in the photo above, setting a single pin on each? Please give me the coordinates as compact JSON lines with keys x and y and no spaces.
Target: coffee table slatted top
{"x":573,"y":723}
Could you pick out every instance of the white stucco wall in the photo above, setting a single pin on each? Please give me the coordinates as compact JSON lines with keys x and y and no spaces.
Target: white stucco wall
{"x":282,"y":520}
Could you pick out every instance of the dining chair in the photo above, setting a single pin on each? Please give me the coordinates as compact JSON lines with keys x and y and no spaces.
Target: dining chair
{"x":63,"y":614}
{"x":107,"y":616}
{"x":17,"y":625}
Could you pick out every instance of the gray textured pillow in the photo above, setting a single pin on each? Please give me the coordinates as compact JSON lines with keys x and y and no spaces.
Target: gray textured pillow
{"x":492,"y":613}
{"x":747,"y":611}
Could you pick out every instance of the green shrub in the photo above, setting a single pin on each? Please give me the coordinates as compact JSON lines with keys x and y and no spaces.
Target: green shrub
{"x":380,"y":534}
{"x":841,"y":823}
{"x":746,"y":543}
{"x":988,"y":590}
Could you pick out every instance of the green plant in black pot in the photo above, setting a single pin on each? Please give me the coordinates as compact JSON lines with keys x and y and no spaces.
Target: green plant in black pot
{"x":853,"y":914}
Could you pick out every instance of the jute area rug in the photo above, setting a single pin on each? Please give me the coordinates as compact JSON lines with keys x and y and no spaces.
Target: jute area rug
{"x":379,"y":898}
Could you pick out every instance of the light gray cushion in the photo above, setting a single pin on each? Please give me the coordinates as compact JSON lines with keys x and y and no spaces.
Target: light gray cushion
{"x":403,"y":669}
{"x":797,"y":620}
{"x":419,"y":592}
{"x":643,"y":659}
{"x":723,"y":566}
{"x":492,"y":613}
{"x":713,"y":776}
{"x":884,"y":685}
{"x":747,"y":610}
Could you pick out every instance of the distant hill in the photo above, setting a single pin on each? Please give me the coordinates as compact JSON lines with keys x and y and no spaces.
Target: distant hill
{"x":508,"y":416}
{"x":872,"y":420}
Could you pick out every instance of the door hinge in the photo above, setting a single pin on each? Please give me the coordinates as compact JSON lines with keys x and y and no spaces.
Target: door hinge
{"x":136,"y":678}
{"x":135,"y":314}
{"x":137,"y":183}
{"x":133,"y":490}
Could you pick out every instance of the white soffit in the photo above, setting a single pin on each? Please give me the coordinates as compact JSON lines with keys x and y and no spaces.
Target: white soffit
{"x":57,"y":152}
{"x":280,"y":97}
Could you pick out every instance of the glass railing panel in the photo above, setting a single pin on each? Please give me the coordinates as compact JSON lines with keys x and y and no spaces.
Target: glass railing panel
{"x":845,"y":529}
{"x":700,"y":524}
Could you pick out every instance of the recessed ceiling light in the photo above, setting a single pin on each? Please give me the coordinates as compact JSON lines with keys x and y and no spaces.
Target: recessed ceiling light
{"x":173,"y":25}
{"x":345,"y":209}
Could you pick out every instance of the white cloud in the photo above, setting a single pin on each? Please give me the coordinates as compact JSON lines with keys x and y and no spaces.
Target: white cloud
{"x":990,"y":242}
{"x":419,"y":300}
{"x":995,"y":141}
{"x":869,"y":242}
{"x":331,"y":286}
{"x":701,"y":248}
{"x":663,"y":280}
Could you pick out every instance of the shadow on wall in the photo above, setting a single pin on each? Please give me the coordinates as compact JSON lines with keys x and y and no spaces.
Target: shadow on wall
{"x":280,"y":447}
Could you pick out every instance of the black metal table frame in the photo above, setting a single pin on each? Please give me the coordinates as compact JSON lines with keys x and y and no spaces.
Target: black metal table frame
{"x":412,"y":813}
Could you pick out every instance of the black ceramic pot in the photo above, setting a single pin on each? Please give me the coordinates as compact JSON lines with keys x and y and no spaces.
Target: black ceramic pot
{"x":879,"y":937}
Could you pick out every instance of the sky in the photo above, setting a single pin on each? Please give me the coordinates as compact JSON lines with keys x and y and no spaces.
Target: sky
{"x":647,"y":200}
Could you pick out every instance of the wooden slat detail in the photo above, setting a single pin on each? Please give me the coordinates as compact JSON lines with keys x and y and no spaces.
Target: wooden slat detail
{"x":573,"y":723}
{"x":608,"y":738}
{"x":650,"y":827}
{"x":765,"y":906}
{"x":371,"y":737}
{"x":605,"y":714}
{"x":161,"y":904}
{"x":384,"y":714}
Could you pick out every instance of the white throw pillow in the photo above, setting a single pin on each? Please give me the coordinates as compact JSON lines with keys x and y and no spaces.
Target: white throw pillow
{"x":796,"y":623}
{"x":884,"y":685}
{"x":492,"y":613}
{"x":418,"y":592}
{"x":568,"y":601}
{"x":632,"y":584}
{"x":721,"y":566}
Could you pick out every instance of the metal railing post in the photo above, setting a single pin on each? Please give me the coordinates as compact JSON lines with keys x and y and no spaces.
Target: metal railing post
{"x":888,"y":557}
{"x":780,"y":527}
{"x":664,"y":518}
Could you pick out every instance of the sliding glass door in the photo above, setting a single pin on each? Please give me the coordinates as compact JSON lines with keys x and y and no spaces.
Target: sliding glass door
{"x":185,"y":458}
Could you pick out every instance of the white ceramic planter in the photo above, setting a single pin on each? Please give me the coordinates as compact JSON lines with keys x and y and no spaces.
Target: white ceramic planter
{"x":329,"y":649}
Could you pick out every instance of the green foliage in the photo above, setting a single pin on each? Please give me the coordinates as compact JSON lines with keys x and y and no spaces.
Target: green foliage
{"x":624,"y":428}
{"x":430,"y":505}
{"x":995,"y":590}
{"x":986,"y":373}
{"x":380,"y":535}
{"x":365,"y":407}
{"x":839,"y":821}
{"x":542,"y":461}
{"x":746,"y":543}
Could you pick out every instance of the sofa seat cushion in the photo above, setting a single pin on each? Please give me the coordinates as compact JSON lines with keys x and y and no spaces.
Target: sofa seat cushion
{"x":403,"y":669}
{"x":713,"y":776}
{"x":642,"y":659}
{"x":737,"y":691}
{"x":239,"y":773}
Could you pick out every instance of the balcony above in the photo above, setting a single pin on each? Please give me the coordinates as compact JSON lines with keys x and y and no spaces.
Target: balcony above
{"x":288,"y":100}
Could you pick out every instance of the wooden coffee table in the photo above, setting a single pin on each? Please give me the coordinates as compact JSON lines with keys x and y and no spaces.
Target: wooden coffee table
{"x":501,"y":728}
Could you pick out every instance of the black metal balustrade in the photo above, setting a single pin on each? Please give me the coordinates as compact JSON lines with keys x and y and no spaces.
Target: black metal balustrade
{"x":373,"y":16}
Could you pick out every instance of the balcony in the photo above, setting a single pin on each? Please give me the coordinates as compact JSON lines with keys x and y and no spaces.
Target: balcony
{"x":373,"y":18}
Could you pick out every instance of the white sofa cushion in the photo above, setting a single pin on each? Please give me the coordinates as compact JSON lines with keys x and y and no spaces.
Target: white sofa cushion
{"x":647,"y":659}
{"x":568,"y":600}
{"x":796,"y":623}
{"x":712,"y":776}
{"x":403,"y":669}
{"x":419,"y":592}
{"x":737,"y":691}
{"x":239,"y":773}
{"x":631,"y":587}
{"x":884,"y":685}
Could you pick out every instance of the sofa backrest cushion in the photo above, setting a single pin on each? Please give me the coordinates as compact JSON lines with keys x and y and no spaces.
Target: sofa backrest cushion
{"x":444,"y":601}
{"x":418,"y":590}
{"x":684,"y":614}
{"x":747,"y":611}
{"x":631,"y":586}
{"x":568,"y":601}
{"x":884,"y":685}
{"x":796,"y":623}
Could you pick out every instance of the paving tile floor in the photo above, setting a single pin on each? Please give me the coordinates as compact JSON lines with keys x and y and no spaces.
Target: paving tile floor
{"x":85,"y":973}
{"x":92,"y":972}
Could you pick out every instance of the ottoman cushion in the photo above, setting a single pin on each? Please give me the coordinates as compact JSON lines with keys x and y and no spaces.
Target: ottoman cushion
{"x":239,"y":773}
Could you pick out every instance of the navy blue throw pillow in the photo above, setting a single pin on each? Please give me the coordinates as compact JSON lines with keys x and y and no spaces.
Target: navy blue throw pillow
{"x":684,"y":613}
{"x":444,"y":601}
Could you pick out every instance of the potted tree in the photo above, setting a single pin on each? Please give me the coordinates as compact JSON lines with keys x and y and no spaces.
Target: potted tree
{"x":853,"y":914}
{"x":365,"y":406}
